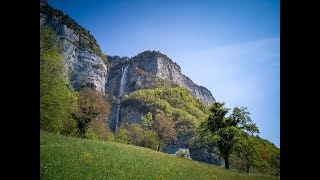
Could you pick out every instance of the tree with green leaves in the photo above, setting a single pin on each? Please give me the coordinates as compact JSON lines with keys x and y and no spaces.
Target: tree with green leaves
{"x":146,"y":120}
{"x":150,"y":140}
{"x":91,"y":103}
{"x":100,"y":127}
{"x":57,"y":100}
{"x":247,"y":151}
{"x":240,"y":118}
{"x":135,"y":133}
{"x":271,"y":154}
{"x":223,"y":132}
{"x":122,"y":135}
{"x":165,"y":130}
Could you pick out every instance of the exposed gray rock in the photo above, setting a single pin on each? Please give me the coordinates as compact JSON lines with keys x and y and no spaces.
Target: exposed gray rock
{"x":196,"y":152}
{"x":145,"y":68}
{"x":168,"y":70}
{"x":115,"y":60}
{"x":85,"y":67}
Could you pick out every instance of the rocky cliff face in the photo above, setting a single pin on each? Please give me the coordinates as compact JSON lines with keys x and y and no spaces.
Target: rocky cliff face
{"x":86,"y":67}
{"x":151,"y":69}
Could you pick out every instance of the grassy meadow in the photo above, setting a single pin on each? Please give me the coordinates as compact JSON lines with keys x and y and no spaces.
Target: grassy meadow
{"x":64,"y":157}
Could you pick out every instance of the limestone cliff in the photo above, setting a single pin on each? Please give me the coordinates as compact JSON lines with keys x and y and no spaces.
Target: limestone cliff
{"x":82,"y":55}
{"x":151,"y":69}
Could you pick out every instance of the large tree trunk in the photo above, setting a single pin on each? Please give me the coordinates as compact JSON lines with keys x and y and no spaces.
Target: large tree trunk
{"x":226,"y":162}
{"x":248,"y":168}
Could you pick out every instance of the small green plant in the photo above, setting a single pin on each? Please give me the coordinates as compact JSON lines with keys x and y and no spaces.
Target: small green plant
{"x":87,"y":157}
{"x":97,"y":66}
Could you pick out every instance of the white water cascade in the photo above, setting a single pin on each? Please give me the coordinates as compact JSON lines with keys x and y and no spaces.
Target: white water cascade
{"x":118,"y":118}
{"x":124,"y":71}
{"x":123,"y":80}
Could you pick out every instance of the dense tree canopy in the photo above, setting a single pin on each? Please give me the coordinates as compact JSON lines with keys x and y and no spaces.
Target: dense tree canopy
{"x":177,"y":104}
{"x":57,"y":100}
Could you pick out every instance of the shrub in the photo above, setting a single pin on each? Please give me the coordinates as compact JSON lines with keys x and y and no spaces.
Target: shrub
{"x":101,"y":129}
{"x":90,"y":134}
{"x":135,"y":133}
{"x":70,"y":127}
{"x":150,"y":140}
{"x":122,"y":135}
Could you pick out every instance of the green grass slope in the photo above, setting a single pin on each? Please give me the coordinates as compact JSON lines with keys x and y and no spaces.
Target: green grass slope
{"x":64,"y":157}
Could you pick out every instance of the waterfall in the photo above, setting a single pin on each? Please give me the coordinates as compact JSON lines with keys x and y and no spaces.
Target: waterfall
{"x":124,"y":71}
{"x":123,"y":80}
{"x":118,"y":118}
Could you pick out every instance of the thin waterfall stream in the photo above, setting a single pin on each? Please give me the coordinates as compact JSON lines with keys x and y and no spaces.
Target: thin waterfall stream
{"x":123,"y":80}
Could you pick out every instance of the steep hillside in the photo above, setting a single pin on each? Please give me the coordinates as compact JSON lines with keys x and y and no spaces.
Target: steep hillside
{"x":180,"y":107}
{"x":185,"y":110}
{"x":87,"y":64}
{"x":64,"y":157}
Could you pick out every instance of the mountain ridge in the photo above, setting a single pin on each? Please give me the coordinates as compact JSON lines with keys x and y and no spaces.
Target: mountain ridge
{"x":158,"y":65}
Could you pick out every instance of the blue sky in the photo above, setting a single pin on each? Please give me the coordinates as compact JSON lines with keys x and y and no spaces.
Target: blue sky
{"x":232,"y":47}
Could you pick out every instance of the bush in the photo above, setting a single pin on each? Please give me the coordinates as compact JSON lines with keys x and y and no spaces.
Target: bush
{"x":150,"y":140}
{"x":183,"y":153}
{"x":101,"y":129}
{"x":122,"y":136}
{"x":135,"y":133}
{"x":90,"y":134}
{"x":70,"y":127}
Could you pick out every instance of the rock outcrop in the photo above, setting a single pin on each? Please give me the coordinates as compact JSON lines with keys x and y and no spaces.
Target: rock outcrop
{"x":86,"y":66}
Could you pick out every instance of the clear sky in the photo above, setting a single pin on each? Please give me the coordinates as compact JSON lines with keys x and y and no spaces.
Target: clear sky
{"x":231,"y":47}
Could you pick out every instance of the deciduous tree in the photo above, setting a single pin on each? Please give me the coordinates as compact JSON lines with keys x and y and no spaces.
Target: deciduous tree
{"x":223,"y":132}
{"x":135,"y":133}
{"x":165,"y":129}
{"x":91,"y":103}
